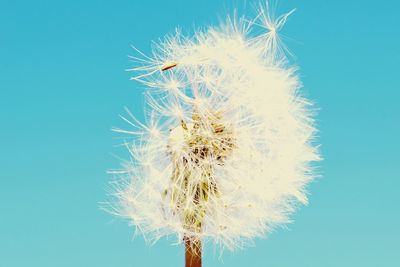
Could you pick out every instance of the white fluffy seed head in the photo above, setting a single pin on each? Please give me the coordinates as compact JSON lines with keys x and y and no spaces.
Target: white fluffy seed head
{"x":226,"y":153}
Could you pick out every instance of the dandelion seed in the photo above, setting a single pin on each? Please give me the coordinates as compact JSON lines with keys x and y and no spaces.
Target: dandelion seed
{"x":168,"y":66}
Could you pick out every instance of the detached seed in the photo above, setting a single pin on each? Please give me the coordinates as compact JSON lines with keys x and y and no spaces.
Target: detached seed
{"x":169,"y":66}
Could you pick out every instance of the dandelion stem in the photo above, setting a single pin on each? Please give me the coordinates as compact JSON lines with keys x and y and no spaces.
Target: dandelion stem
{"x":192,"y":252}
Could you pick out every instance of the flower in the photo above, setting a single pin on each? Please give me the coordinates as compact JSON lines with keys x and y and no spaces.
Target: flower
{"x":226,"y":153}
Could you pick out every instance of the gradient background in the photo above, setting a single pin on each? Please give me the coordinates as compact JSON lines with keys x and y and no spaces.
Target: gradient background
{"x":63,"y":84}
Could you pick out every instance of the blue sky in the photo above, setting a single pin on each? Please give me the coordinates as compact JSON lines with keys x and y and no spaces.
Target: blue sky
{"x":63,"y":83}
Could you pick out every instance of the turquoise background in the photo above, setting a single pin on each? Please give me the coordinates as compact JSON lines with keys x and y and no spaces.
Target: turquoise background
{"x":63,"y":84}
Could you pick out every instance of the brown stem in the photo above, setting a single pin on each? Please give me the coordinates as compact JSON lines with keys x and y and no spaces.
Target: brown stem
{"x":192,"y":253}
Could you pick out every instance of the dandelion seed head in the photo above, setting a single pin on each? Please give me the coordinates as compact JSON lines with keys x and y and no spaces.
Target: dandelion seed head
{"x":230,"y":143}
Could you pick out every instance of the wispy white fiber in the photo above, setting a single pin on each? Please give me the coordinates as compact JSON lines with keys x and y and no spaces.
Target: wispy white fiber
{"x":226,"y":150}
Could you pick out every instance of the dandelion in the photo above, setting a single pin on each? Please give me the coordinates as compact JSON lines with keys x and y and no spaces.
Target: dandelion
{"x":226,"y":153}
